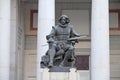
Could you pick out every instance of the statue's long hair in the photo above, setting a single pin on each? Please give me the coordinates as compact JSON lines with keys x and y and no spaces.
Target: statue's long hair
{"x":66,"y":17}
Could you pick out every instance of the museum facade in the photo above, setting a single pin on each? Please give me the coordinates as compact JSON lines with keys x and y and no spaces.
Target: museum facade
{"x":25,"y":24}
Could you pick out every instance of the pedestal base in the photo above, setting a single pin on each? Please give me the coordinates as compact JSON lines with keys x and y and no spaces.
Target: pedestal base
{"x":72,"y":75}
{"x":59,"y":69}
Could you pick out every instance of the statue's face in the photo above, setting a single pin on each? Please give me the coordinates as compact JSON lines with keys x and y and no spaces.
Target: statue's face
{"x":63,"y":21}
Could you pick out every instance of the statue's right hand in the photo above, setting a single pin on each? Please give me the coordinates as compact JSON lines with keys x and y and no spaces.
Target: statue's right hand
{"x":50,"y":40}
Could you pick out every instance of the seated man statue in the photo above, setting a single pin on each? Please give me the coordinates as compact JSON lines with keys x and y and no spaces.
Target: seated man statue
{"x":61,"y":49}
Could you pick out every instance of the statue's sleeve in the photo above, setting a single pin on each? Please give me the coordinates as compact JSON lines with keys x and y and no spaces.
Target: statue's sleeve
{"x":73,"y":33}
{"x":52,"y":34}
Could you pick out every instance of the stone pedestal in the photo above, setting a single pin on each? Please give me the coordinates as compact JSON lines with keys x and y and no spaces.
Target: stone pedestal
{"x":72,"y":75}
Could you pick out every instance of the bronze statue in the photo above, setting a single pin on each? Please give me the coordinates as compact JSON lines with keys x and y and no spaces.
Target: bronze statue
{"x":61,"y":42}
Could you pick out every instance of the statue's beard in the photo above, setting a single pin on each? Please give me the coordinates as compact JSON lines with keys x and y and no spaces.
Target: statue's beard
{"x":63,"y":25}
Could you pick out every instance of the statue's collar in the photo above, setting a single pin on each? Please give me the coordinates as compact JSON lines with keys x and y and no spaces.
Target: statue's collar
{"x":63,"y":26}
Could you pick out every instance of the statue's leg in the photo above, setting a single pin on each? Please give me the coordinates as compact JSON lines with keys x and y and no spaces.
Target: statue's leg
{"x":68,"y":54}
{"x":73,"y":59}
{"x":51,"y":52}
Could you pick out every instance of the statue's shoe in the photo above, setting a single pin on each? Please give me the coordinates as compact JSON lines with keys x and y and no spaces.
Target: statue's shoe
{"x":50,"y":65}
{"x":61,"y":64}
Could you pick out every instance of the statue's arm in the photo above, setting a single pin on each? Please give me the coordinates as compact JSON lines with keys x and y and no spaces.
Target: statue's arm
{"x":51,"y":36}
{"x":74,"y":33}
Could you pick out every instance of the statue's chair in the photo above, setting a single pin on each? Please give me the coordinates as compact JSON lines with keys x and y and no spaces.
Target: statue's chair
{"x":63,"y":57}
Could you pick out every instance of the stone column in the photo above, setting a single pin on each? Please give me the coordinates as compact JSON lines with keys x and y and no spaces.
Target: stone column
{"x":4,"y":39}
{"x":13,"y":38}
{"x":46,"y":19}
{"x":100,"y":40}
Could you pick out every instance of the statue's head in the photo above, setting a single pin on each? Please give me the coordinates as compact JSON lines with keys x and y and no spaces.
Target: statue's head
{"x":64,"y":20}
